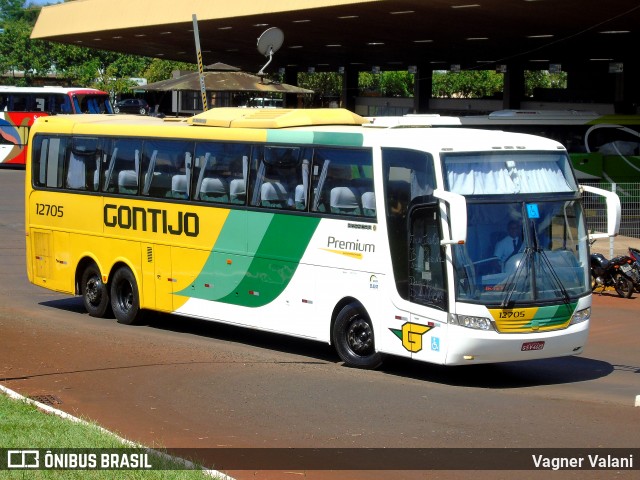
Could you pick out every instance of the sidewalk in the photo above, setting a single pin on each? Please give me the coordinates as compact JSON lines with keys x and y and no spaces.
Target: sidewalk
{"x":620,"y":246}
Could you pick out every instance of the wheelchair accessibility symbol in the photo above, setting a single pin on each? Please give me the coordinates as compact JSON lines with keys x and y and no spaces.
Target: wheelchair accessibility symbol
{"x":435,"y":344}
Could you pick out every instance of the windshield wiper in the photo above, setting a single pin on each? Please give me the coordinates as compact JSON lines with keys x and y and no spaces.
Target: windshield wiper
{"x":514,"y":279}
{"x":552,"y":271}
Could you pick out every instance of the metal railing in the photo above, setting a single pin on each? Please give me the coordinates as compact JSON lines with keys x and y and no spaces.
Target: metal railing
{"x":596,"y":211}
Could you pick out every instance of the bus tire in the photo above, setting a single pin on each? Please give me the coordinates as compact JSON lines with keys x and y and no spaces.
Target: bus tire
{"x":125,"y":300}
{"x":353,"y":338}
{"x":95,"y":294}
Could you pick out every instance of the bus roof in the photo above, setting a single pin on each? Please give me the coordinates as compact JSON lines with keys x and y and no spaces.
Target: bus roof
{"x":345,"y":126}
{"x":280,"y":118}
{"x":50,"y":89}
{"x":505,"y":117}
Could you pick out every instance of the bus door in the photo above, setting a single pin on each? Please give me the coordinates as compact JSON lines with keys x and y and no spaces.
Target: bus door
{"x":157,"y":285}
{"x":425,"y":334}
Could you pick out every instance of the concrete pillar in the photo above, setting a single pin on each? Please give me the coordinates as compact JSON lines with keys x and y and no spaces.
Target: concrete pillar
{"x":513,"y":92}
{"x":350,"y":88}
{"x":291,"y":78}
{"x":627,"y":93}
{"x":422,"y":88}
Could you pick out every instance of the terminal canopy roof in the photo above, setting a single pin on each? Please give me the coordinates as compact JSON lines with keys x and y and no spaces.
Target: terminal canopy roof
{"x":328,"y":34}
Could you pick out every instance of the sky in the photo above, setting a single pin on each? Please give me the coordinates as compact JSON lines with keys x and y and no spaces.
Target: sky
{"x":42,"y":2}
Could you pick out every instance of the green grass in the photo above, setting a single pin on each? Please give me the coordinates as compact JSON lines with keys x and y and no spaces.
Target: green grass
{"x":24,"y":426}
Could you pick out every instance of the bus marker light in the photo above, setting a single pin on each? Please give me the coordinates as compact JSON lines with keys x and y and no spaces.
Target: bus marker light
{"x":469,"y":357}
{"x":254,"y":293}
{"x":399,"y":317}
{"x":174,"y":280}
{"x":229,"y":261}
{"x":207,"y":285}
{"x":304,"y":300}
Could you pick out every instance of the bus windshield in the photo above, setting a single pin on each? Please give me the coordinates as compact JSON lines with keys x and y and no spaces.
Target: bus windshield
{"x":509,"y":173}
{"x":91,"y":103}
{"x":523,"y":252}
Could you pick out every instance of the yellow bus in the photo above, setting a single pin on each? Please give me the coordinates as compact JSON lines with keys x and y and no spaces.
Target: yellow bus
{"x":303,"y":222}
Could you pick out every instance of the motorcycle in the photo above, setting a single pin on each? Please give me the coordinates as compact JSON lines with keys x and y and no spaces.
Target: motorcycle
{"x":617,"y":273}
{"x":634,"y":253}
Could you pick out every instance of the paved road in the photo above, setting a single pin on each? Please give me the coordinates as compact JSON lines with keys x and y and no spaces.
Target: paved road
{"x":182,"y":383}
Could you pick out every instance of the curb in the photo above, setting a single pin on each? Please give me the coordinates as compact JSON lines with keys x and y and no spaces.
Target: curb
{"x":48,"y":409}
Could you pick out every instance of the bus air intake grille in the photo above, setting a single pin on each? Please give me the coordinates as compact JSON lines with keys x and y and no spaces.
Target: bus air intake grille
{"x":532,"y":319}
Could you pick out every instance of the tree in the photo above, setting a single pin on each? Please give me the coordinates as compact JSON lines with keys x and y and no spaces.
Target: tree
{"x":326,"y":85}
{"x":543,"y":79}
{"x":158,"y":69}
{"x":18,"y":53}
{"x":107,"y":71}
{"x":11,"y":10}
{"x":466,"y":84}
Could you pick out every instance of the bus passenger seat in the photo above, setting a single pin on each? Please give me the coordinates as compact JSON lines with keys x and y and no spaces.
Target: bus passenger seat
{"x":273,"y":194}
{"x":343,"y":200}
{"x":214,"y":190}
{"x":237,"y":191}
{"x":299,"y":198}
{"x":128,"y":181}
{"x":369,"y":204}
{"x":179,"y":186}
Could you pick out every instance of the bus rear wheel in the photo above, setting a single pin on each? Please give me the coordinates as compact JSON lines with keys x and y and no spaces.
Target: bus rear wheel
{"x":353,"y":338}
{"x":125,"y":300}
{"x":95,"y":294}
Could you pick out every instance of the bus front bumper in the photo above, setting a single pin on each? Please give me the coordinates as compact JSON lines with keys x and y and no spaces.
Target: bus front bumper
{"x":475,"y":347}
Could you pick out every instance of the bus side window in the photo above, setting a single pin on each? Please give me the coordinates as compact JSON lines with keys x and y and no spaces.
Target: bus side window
{"x":166,"y":164}
{"x":19,"y":103}
{"x":219,"y":172}
{"x":48,"y":161}
{"x":281,"y":178}
{"x":82,"y":164}
{"x":123,"y":167}
{"x":343,"y":182}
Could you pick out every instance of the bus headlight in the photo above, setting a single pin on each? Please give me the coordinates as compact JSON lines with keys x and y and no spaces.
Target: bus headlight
{"x":469,"y":321}
{"x":581,"y":316}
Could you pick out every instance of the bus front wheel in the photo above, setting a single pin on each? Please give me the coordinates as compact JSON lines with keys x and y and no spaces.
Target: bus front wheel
{"x":95,"y":294}
{"x":353,"y":338}
{"x":125,"y":300}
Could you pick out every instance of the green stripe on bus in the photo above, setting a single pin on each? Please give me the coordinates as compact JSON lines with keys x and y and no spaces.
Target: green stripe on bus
{"x":319,"y":138}
{"x":552,"y":316}
{"x":257,"y":276}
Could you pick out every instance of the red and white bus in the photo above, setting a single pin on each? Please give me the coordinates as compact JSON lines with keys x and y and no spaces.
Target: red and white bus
{"x":20,"y":106}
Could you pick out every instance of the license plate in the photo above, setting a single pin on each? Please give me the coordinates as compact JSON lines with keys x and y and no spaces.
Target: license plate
{"x":528,"y":346}
{"x":625,"y":268}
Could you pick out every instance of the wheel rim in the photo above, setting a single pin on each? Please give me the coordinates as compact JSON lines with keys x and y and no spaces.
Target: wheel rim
{"x":94,"y":290}
{"x":360,"y":337}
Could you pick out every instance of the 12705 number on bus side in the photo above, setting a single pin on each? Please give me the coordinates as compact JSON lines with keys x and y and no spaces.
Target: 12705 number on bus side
{"x":49,"y":210}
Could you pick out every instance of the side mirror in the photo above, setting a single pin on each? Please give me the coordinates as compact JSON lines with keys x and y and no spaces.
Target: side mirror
{"x":457,"y":216}
{"x":613,"y":211}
